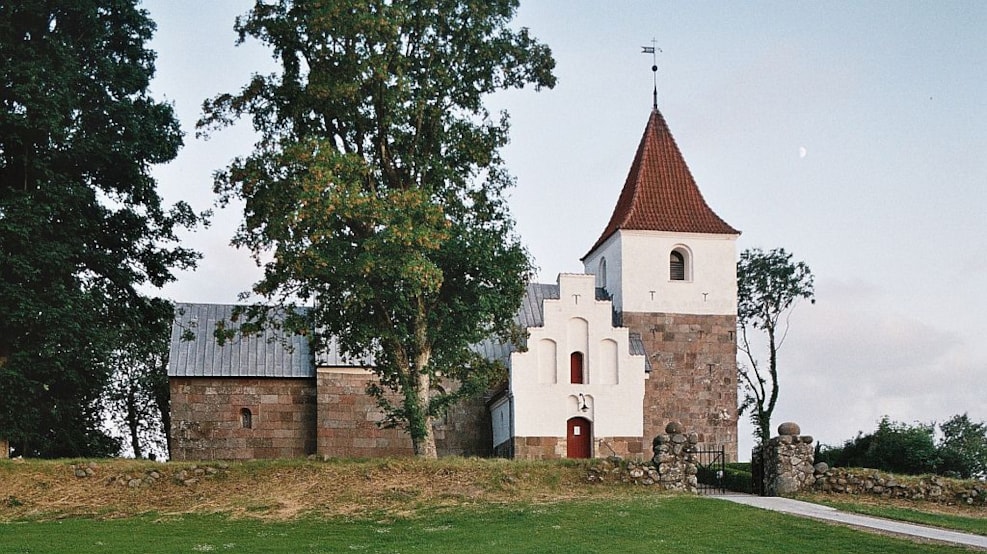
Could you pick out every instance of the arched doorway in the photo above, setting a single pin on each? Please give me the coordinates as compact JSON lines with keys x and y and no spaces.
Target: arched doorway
{"x":578,"y":438}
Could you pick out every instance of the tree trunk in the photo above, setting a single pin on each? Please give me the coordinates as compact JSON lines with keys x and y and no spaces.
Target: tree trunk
{"x":425,"y":444}
{"x":133,"y":423}
{"x":4,"y":445}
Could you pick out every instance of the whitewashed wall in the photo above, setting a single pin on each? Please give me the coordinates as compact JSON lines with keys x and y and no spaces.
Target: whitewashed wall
{"x":638,"y":276}
{"x":613,"y":391}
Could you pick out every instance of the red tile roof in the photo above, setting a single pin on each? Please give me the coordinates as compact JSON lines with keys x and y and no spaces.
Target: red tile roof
{"x":660,"y":193}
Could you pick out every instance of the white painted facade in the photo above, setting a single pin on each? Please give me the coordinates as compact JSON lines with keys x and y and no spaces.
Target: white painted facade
{"x":644,"y":284}
{"x":541,"y":395}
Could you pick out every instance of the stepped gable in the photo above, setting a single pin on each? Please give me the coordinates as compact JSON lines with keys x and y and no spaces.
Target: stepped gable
{"x":660,"y":193}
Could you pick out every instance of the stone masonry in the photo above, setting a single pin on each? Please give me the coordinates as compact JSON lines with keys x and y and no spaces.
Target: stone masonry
{"x":207,"y":420}
{"x":348,"y":421}
{"x":693,"y":377}
{"x":674,"y":458}
{"x":547,"y":448}
{"x":784,"y":464}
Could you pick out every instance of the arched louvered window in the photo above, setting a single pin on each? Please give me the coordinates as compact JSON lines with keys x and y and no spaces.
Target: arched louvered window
{"x":676,"y":266}
{"x":576,"y":369}
{"x":246,"y":419}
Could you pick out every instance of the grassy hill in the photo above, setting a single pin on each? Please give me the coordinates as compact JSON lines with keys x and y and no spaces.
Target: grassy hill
{"x":283,"y":489}
{"x":388,"y":505}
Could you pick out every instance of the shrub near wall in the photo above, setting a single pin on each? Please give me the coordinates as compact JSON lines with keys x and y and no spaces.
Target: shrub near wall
{"x":875,"y":483}
{"x":737,"y":477}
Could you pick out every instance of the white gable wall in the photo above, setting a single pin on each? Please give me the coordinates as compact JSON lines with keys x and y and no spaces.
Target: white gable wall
{"x":613,"y":388}
{"x":643,"y":285}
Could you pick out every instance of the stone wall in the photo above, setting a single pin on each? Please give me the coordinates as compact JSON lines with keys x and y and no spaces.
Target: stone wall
{"x":552,"y":448}
{"x":784,"y":466}
{"x":348,"y":422}
{"x":539,"y":448}
{"x":674,"y":458}
{"x":674,"y":465}
{"x":207,"y":420}
{"x":694,"y":375}
{"x":877,"y":484}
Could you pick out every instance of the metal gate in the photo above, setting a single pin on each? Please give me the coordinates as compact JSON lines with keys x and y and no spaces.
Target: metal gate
{"x":710,"y":465}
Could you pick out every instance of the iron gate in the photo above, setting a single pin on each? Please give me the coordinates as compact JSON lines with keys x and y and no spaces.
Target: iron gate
{"x":710,"y":466}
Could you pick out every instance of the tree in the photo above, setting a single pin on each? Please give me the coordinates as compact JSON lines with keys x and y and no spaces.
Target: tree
{"x":137,"y":396}
{"x":963,"y":447}
{"x":376,"y":190}
{"x":82,"y":226}
{"x":769,"y":285}
{"x":901,"y":448}
{"x":894,"y":447}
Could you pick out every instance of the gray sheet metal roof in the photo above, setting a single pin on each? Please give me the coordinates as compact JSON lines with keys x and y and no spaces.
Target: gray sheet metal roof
{"x":271,"y":354}
{"x":268,"y":354}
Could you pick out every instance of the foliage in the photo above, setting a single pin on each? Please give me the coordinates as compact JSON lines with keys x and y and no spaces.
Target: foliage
{"x":963,"y":448}
{"x":81,"y":224}
{"x":738,"y":477}
{"x":769,"y":285}
{"x":376,"y":190}
{"x":911,"y":449}
{"x":137,"y":396}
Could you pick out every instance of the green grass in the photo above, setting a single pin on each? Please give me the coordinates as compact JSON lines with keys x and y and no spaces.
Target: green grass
{"x":975,"y":525}
{"x":635,"y":524}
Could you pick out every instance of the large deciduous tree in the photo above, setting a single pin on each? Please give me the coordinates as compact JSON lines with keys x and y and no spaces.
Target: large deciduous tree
{"x":769,"y":285}
{"x":137,"y":396}
{"x":82,"y":226}
{"x":376,"y":189}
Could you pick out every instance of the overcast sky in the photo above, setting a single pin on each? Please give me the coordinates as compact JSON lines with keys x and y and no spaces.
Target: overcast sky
{"x":853,"y":134}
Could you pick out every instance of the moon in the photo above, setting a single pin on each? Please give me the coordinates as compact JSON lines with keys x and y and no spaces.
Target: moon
{"x":802,"y":151}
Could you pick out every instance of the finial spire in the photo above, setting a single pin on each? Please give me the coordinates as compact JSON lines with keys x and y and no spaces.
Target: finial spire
{"x":653,"y":50}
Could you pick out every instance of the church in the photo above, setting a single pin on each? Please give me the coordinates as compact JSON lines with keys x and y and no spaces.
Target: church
{"x":645,"y":336}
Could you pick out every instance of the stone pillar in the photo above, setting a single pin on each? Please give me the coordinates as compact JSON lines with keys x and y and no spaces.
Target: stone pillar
{"x":674,"y":458}
{"x":786,"y":461}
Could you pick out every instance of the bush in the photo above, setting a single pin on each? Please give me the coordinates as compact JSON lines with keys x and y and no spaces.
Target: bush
{"x":737,"y":477}
{"x":909,"y":449}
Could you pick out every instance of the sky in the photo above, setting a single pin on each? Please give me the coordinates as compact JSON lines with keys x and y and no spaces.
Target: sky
{"x":852,"y":134}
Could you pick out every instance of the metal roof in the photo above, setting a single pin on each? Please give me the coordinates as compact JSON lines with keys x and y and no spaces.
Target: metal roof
{"x":267,"y":354}
{"x":195,"y":352}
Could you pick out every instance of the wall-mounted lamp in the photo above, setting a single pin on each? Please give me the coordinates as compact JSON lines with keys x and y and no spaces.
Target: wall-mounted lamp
{"x":582,"y":403}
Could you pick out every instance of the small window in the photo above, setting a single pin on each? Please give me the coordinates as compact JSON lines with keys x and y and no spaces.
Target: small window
{"x":601,"y":274}
{"x":676,"y":266}
{"x":246,"y":419}
{"x":576,"y":369}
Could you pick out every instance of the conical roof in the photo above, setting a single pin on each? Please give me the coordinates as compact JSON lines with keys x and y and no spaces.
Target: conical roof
{"x":660,"y":193}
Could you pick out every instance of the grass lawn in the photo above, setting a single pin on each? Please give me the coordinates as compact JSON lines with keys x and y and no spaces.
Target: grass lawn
{"x":638,"y":523}
{"x":919,"y":513}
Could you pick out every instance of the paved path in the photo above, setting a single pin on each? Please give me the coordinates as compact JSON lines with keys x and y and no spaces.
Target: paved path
{"x":826,"y":513}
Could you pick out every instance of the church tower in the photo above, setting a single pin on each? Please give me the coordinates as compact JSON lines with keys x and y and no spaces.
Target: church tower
{"x":669,"y":264}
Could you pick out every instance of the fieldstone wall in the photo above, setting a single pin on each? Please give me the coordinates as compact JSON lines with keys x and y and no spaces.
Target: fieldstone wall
{"x":874,"y":483}
{"x":674,"y":460}
{"x":207,"y":422}
{"x":694,"y":375}
{"x":784,"y":466}
{"x":673,"y":466}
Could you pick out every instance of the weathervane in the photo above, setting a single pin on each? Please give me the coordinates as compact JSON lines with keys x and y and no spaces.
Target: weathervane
{"x":653,"y":50}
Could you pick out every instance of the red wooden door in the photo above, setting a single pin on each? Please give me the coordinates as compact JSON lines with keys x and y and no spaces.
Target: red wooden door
{"x":578,"y":437}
